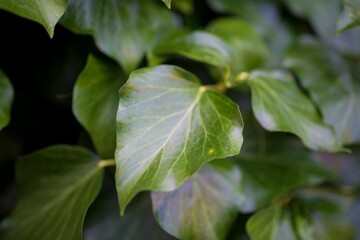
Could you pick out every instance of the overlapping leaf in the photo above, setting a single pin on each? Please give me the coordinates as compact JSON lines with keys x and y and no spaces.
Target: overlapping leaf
{"x":205,"y":206}
{"x":95,"y":102}
{"x":6,"y":98}
{"x":45,"y":12}
{"x":350,"y":17}
{"x":56,"y":187}
{"x":331,"y":86}
{"x":168,"y":3}
{"x":168,"y":126}
{"x":265,"y":179}
{"x":279,"y":105}
{"x":246,"y":48}
{"x":123,"y":29}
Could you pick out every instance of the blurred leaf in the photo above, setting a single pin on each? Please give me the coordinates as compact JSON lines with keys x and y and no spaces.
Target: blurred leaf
{"x":331,"y":85}
{"x":95,"y":102}
{"x":266,"y":178}
{"x":104,"y":222}
{"x":6,"y":99}
{"x":185,"y":6}
{"x":322,"y":14}
{"x":350,"y":16}
{"x":246,"y":48}
{"x":56,"y":186}
{"x":168,"y":126}
{"x":199,"y":46}
{"x":205,"y":206}
{"x":168,"y":3}
{"x":45,"y":12}
{"x":124,"y":30}
{"x":279,"y":105}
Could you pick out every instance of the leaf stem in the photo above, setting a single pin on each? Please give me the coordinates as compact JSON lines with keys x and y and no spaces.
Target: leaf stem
{"x":106,"y":163}
{"x":219,"y":87}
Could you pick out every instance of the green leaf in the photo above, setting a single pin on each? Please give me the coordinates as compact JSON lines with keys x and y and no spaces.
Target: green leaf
{"x":6,"y":99}
{"x":45,"y":12}
{"x":279,"y":105}
{"x":350,"y":16}
{"x":168,"y":126}
{"x":95,"y":102}
{"x":265,"y":179}
{"x":56,"y":187}
{"x":331,"y":86}
{"x":246,"y":48}
{"x":322,"y":14}
{"x":205,"y":206}
{"x":199,"y":46}
{"x":167,"y":3}
{"x":123,"y":29}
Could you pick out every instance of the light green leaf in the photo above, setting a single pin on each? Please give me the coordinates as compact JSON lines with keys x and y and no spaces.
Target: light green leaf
{"x":265,"y":179}
{"x":199,"y":46}
{"x":331,"y":86}
{"x":45,"y":12}
{"x":168,"y":126}
{"x":279,"y":105}
{"x":205,"y":206}
{"x":167,"y":3}
{"x":56,"y":187}
{"x":6,"y":99}
{"x":123,"y":29}
{"x":350,"y":16}
{"x":246,"y":48}
{"x":95,"y":103}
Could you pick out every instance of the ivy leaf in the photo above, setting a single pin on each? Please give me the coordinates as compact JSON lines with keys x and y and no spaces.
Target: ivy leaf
{"x":350,"y":17}
{"x":45,"y":12}
{"x":265,"y":179}
{"x":279,"y":105}
{"x":168,"y":126}
{"x":6,"y":99}
{"x":331,"y":85}
{"x":95,"y":102}
{"x":123,"y":29}
{"x":246,"y":48}
{"x":167,"y":3}
{"x":205,"y":206}
{"x":199,"y":46}
{"x":56,"y":187}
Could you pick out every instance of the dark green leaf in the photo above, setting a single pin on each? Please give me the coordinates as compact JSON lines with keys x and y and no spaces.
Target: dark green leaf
{"x":56,"y":187}
{"x":168,"y":126}
{"x":205,"y":206}
{"x":279,"y":105}
{"x":265,"y":179}
{"x":199,"y":46}
{"x":95,"y":103}
{"x":331,"y":85}
{"x":6,"y":99}
{"x":246,"y":48}
{"x":350,"y":17}
{"x":45,"y":12}
{"x":123,"y":29}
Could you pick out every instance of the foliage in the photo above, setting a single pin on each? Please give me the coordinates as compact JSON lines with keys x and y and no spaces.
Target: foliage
{"x":239,"y":117}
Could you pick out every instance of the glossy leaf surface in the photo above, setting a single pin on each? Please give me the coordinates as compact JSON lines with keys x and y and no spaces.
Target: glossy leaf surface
{"x":279,"y":105}
{"x":205,"y":206}
{"x":6,"y":99}
{"x":332,"y":85}
{"x":168,"y":126}
{"x":45,"y":12}
{"x":56,"y":187}
{"x":124,"y":30}
{"x":95,"y":102}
